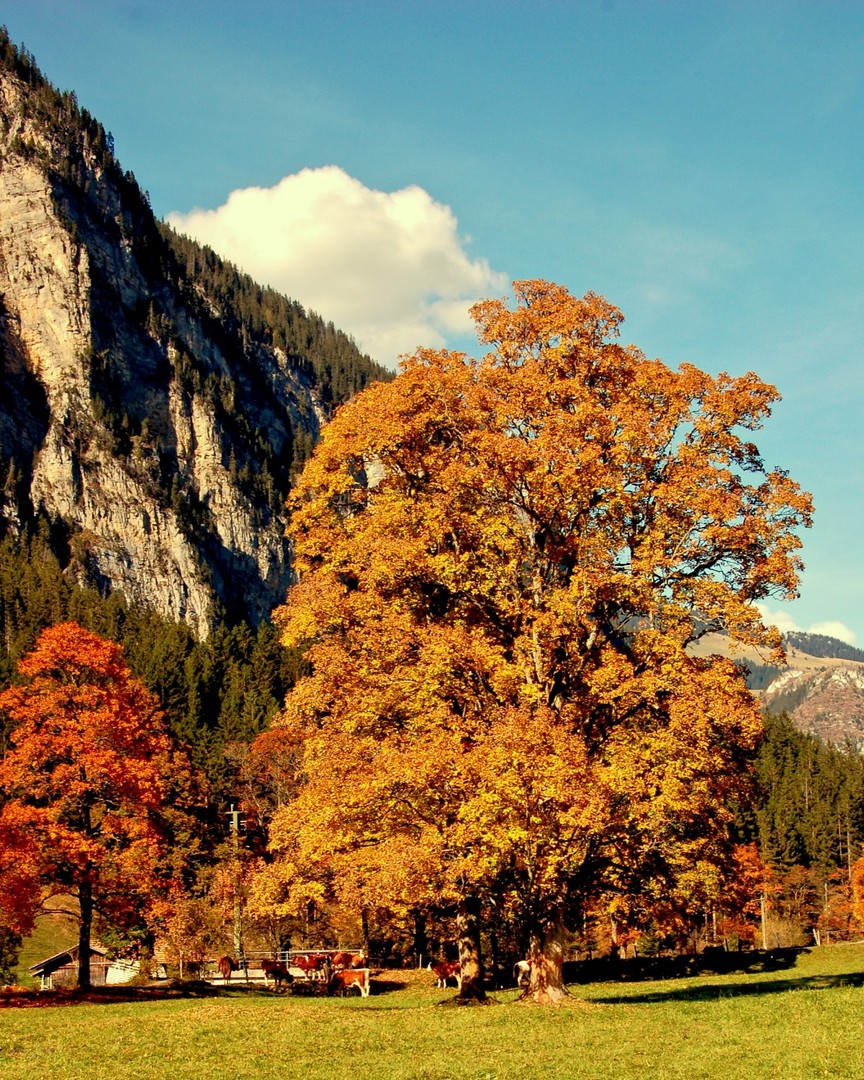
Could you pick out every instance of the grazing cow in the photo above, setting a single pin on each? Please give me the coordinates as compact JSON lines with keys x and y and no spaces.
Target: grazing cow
{"x":342,"y":981}
{"x":313,"y":965}
{"x":277,"y":971}
{"x":446,"y":969}
{"x":522,"y":972}
{"x":226,"y":965}
{"x":342,"y":960}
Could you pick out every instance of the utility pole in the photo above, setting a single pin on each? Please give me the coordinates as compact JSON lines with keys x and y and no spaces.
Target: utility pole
{"x":234,"y":815}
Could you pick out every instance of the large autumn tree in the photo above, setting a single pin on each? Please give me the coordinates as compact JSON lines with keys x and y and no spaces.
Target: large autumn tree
{"x":502,"y":563}
{"x":89,"y":785}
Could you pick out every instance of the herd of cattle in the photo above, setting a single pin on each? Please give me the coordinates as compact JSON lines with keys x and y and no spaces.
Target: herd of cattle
{"x":331,"y":972}
{"x":341,"y":972}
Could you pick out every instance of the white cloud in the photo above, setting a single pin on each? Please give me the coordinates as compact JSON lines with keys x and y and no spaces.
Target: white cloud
{"x":786,"y":624}
{"x":390,"y":268}
{"x":834,"y":629}
{"x":781,"y":619}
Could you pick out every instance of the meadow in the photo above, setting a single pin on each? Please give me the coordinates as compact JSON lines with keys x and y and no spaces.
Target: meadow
{"x":800,"y":1021}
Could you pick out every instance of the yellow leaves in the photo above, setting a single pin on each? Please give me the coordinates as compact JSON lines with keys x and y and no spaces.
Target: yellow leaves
{"x":502,"y":562}
{"x":282,"y":889}
{"x":681,"y":759}
{"x":530,"y":784}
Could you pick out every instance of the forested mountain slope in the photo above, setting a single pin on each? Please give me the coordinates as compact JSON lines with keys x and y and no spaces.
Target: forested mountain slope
{"x":155,"y":403}
{"x":217,"y":693}
{"x":823,"y":645}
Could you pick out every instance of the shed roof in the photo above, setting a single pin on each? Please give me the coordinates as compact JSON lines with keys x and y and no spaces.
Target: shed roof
{"x":61,"y":959}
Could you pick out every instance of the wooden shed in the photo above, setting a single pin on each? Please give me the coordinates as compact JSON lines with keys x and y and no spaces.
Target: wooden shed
{"x":61,"y":970}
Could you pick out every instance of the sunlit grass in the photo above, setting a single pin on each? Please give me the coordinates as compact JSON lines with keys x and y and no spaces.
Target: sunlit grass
{"x":52,"y":934}
{"x":800,"y":1022}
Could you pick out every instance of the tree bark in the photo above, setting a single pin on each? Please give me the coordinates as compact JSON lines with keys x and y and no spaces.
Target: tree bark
{"x":546,"y":955}
{"x":85,"y":900}
{"x":470,"y":955}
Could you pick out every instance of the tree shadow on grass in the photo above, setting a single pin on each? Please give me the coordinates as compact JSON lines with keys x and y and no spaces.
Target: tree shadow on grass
{"x":395,"y":985}
{"x":108,"y":995}
{"x":717,"y":991}
{"x":713,"y":961}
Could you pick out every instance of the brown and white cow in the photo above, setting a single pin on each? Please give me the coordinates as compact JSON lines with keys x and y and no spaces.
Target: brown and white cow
{"x":313,"y":965}
{"x":446,"y":969}
{"x":348,"y":978}
{"x":522,"y":972}
{"x":342,"y":960}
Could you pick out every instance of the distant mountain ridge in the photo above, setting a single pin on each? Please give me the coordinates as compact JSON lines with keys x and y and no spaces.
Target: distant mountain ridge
{"x":823,"y":646}
{"x":155,"y":403}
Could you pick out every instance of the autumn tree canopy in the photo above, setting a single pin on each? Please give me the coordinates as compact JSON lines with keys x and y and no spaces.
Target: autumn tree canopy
{"x":502,"y":562}
{"x":88,"y":785}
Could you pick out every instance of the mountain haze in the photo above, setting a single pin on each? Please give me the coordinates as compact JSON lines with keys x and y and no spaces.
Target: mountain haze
{"x":156,"y":403}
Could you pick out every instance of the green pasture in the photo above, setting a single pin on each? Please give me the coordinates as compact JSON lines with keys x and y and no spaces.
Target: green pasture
{"x":801,"y":1020}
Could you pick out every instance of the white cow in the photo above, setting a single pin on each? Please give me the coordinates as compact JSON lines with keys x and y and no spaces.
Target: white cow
{"x":522,"y":972}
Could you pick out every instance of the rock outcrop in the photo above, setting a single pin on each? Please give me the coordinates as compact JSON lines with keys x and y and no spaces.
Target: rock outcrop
{"x":141,"y":409}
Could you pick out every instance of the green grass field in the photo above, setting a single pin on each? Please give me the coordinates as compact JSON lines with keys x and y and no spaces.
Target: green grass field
{"x":801,"y":1021}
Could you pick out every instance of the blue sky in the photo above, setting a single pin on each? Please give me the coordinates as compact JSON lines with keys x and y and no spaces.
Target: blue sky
{"x":700,"y":164}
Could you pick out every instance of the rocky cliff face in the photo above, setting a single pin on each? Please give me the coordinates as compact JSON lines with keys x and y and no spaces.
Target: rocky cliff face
{"x":157,"y":424}
{"x":826,"y":701}
{"x":821,"y":687}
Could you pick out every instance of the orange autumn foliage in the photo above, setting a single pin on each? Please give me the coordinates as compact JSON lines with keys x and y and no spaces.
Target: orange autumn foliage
{"x":84,"y":785}
{"x":856,"y":878}
{"x":502,"y":562}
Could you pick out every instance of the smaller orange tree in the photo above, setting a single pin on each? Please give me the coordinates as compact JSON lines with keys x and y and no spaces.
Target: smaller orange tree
{"x":86,"y":786}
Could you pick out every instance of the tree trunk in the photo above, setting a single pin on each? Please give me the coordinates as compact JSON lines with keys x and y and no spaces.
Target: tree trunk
{"x":546,"y":955}
{"x":85,"y":900}
{"x":493,"y":956}
{"x":470,"y":955}
{"x":421,"y":941}
{"x":364,"y":922}
{"x":614,"y":950}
